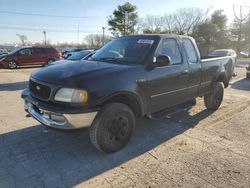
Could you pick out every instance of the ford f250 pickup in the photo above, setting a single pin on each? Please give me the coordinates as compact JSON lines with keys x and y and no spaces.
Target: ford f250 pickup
{"x":130,"y":77}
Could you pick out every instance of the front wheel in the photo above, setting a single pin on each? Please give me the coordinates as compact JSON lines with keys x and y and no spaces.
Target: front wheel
{"x":12,"y":65}
{"x":112,"y":128}
{"x":214,"y":99}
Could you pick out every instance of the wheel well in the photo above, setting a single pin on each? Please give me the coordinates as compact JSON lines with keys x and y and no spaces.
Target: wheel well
{"x":13,"y":61}
{"x":223,"y":79}
{"x":128,"y":100}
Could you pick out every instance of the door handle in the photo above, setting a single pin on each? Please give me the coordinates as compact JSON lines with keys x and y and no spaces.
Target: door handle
{"x":184,"y":72}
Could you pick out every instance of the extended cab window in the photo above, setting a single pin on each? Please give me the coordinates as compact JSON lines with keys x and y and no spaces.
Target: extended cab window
{"x":170,"y":48}
{"x":191,"y":51}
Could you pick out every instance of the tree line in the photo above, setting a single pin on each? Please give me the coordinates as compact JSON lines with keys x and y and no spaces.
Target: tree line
{"x":210,"y":31}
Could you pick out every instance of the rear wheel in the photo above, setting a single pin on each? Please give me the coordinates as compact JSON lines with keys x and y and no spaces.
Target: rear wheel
{"x":214,"y":99}
{"x":112,"y":128}
{"x":12,"y":65}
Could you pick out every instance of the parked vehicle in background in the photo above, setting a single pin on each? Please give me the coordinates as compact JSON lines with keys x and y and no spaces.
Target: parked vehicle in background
{"x":245,"y":53}
{"x":3,"y":52}
{"x":77,"y":56}
{"x":88,"y":57}
{"x":27,"y":56}
{"x":132,"y":76}
{"x":67,"y":54}
{"x":223,"y":53}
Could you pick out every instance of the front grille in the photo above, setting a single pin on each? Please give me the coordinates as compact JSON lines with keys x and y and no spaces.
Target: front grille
{"x":39,"y":90}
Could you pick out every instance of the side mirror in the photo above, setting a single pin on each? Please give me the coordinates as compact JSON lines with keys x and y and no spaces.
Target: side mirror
{"x":162,"y":60}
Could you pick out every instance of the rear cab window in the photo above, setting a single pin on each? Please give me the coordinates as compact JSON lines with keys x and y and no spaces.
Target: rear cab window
{"x":190,"y":50}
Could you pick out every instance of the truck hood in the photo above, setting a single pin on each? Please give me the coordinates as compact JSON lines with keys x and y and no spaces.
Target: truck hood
{"x":61,"y":62}
{"x":70,"y":73}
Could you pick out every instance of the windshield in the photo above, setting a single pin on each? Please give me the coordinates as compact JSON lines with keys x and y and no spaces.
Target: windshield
{"x":14,"y":51}
{"x":219,"y":53}
{"x":78,"y":55}
{"x":125,"y":50}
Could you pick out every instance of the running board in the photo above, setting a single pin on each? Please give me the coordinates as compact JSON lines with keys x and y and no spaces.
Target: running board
{"x":175,"y":109}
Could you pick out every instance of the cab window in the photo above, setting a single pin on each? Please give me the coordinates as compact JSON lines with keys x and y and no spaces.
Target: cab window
{"x":170,"y":48}
{"x":191,"y":51}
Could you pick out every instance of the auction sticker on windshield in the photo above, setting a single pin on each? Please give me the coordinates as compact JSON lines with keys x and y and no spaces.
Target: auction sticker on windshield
{"x":145,"y":41}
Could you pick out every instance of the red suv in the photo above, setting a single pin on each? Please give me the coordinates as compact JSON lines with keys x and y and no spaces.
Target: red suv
{"x":30,"y":56}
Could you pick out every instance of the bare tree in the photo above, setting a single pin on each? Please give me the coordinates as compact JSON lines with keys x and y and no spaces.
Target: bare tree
{"x":96,"y":40}
{"x":185,"y":19}
{"x":181,"y":22}
{"x":168,"y":23}
{"x":238,"y":26}
{"x":22,"y":38}
{"x":152,"y":24}
{"x":139,"y":26}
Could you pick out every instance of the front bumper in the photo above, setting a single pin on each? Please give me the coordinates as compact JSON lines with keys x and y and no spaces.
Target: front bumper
{"x":59,"y":120}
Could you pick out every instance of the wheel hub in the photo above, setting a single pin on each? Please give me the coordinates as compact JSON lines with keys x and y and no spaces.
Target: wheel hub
{"x":118,"y":128}
{"x":12,"y":64}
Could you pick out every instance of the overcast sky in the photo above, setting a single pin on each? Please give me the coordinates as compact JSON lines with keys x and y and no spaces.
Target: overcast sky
{"x":64,"y":29}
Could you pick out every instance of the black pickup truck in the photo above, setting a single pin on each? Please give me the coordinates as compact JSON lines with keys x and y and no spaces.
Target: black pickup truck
{"x":130,"y":77}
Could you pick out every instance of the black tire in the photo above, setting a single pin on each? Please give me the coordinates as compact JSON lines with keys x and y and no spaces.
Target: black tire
{"x":112,"y":127}
{"x":214,"y":99}
{"x":12,"y":65}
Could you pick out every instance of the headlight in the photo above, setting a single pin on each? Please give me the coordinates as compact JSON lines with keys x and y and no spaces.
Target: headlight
{"x":71,"y":95}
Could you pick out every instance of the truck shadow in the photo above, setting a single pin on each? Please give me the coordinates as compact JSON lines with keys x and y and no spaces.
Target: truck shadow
{"x":14,"y":86}
{"x":67,"y":159}
{"x":243,"y":84}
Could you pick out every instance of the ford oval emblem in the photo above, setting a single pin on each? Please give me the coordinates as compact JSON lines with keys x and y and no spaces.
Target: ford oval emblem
{"x":38,"y":88}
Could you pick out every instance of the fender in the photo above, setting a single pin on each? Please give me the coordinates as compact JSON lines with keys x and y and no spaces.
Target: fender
{"x":127,"y":93}
{"x":221,"y":77}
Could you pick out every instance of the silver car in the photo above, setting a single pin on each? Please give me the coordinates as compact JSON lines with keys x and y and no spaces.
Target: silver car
{"x":223,"y":53}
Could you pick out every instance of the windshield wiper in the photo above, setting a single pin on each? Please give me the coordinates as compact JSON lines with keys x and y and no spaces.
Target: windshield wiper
{"x":92,"y":59}
{"x":110,"y":59}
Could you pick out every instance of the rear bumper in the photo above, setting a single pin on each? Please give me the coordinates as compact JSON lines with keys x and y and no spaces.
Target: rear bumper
{"x":55,"y":119}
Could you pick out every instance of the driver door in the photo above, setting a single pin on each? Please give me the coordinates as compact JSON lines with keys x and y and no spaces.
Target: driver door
{"x":167,"y":86}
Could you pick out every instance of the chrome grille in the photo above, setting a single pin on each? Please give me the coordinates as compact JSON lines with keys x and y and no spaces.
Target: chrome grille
{"x":39,"y":90}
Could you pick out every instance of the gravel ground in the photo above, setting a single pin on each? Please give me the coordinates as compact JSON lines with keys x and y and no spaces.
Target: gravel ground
{"x":194,"y":148}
